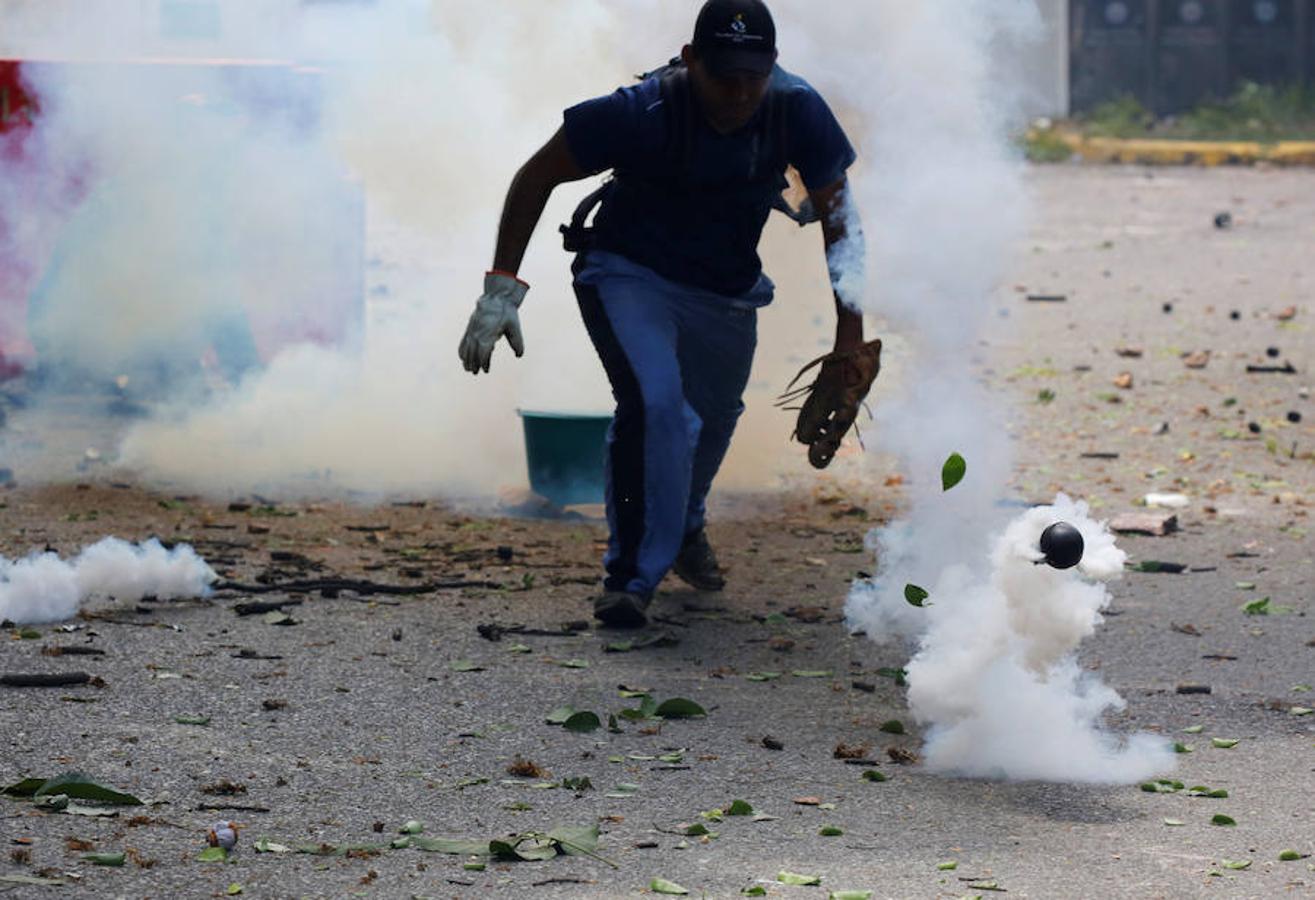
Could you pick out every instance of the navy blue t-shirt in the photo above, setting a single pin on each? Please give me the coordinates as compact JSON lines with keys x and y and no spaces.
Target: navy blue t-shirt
{"x":696,"y":217}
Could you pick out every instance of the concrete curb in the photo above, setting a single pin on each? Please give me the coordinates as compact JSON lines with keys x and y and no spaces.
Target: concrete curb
{"x":1152,"y":152}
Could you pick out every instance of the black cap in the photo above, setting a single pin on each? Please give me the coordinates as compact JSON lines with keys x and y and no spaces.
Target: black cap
{"x":736,"y":35}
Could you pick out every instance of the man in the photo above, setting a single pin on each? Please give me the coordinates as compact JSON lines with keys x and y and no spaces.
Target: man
{"x":668,"y":278}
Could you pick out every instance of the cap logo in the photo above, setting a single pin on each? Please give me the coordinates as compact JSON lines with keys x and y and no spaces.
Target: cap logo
{"x":739,"y":32}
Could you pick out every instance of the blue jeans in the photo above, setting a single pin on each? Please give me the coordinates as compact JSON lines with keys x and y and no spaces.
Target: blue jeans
{"x":678,"y":359}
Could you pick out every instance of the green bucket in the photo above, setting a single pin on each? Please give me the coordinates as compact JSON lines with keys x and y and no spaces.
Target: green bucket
{"x":565,"y":453}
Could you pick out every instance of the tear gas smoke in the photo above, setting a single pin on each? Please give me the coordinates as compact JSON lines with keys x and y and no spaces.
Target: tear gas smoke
{"x":993,"y":679}
{"x":44,"y":588}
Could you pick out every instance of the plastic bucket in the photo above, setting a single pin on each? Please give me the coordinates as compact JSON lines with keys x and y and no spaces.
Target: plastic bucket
{"x":565,"y":455}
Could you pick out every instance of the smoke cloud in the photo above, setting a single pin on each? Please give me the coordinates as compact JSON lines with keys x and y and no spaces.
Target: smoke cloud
{"x":994,"y":678}
{"x":43,"y":588}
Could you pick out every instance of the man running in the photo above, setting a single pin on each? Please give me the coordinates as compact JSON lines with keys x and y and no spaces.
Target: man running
{"x":668,"y":278}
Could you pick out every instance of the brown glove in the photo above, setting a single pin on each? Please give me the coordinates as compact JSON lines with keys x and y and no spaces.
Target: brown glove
{"x":831,"y":402}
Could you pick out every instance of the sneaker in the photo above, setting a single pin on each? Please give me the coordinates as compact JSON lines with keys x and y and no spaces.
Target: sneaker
{"x":622,"y":609}
{"x":696,"y":564}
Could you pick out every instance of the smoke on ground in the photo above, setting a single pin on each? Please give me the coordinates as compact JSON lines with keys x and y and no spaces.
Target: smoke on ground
{"x":994,"y":678}
{"x":43,"y":588}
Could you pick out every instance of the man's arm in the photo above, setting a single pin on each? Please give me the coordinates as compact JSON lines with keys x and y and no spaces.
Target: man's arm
{"x":529,"y":192}
{"x":842,"y":234}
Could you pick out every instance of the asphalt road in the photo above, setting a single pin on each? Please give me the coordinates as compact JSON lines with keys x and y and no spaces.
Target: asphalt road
{"x":374,"y":710}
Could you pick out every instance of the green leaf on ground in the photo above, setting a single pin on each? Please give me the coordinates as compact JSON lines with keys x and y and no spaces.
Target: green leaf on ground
{"x":915,"y":596}
{"x":894,"y":726}
{"x":25,"y":788}
{"x":953,"y":471}
{"x":1194,"y":729}
{"x":874,"y":775}
{"x":520,"y":648}
{"x":762,"y":676}
{"x":573,"y":663}
{"x":679,"y":708}
{"x":265,"y":845}
{"x":898,"y":674}
{"x":412,"y":826}
{"x":1224,"y":743}
{"x":212,"y":854}
{"x":947,"y":866}
{"x":1289,"y":856}
{"x":109,"y":859}
{"x":559,"y":715}
{"x":797,"y":879}
{"x":739,"y":808}
{"x":830,"y":831}
{"x":619,"y":647}
{"x":1175,"y":823}
{"x":575,"y":839}
{"x":1235,"y":864}
{"x":233,"y":889}
{"x":465,"y":665}
{"x":474,"y":866}
{"x":583,"y":722}
{"x":1180,"y":747}
{"x":662,"y":886}
{"x":1245,"y":585}
{"x":79,"y":787}
{"x":192,"y":720}
{"x":849,"y":895}
{"x":400,"y":843}
{"x":1257,"y":607}
{"x":1300,"y":711}
{"x":1221,"y":819}
{"x":31,"y":880}
{"x":698,"y":829}
{"x":812,"y":673}
{"x":756,"y":891}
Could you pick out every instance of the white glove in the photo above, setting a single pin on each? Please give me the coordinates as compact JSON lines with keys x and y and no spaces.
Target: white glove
{"x":494,"y":316}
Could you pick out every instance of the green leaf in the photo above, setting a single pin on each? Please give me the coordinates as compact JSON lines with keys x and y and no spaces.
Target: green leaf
{"x":559,"y":715}
{"x":756,"y":891}
{"x":233,"y":889}
{"x":1257,"y":607}
{"x":31,"y":879}
{"x":1179,"y":747}
{"x":953,"y":471}
{"x":1224,"y":743}
{"x":578,"y":784}
{"x":192,"y":720}
{"x":455,"y":847}
{"x":898,"y":674}
{"x":1245,"y":585}
{"x":849,"y":895}
{"x":412,"y":826}
{"x":947,"y":866}
{"x":679,"y":708}
{"x":29,"y":634}
{"x":915,"y":596}
{"x":1289,"y":856}
{"x":573,"y":663}
{"x":1235,"y":864}
{"x":698,"y":829}
{"x":619,"y":647}
{"x":812,"y":673}
{"x":1175,"y":823}
{"x":830,"y":831}
{"x":874,"y":775}
{"x":894,"y":726}
{"x":583,"y":723}
{"x":80,"y":787}
{"x":110,"y":859}
{"x":520,"y":648}
{"x":575,"y":839}
{"x":1194,"y":729}
{"x":1300,"y":711}
{"x":265,"y":845}
{"x":1221,"y":819}
{"x":762,"y":676}
{"x":401,"y":843}
{"x":212,"y":854}
{"x":632,"y":695}
{"x":277,"y":617}
{"x":797,"y":879}
{"x":25,"y":788}
{"x":465,"y":665}
{"x":739,"y":808}
{"x":662,"y":886}
{"x":474,"y":866}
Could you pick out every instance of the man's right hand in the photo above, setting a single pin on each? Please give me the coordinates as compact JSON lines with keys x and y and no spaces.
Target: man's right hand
{"x":495,"y":315}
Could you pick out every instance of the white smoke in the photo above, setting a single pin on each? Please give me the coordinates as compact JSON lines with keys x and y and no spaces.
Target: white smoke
{"x":44,"y":588}
{"x":994,"y":678}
